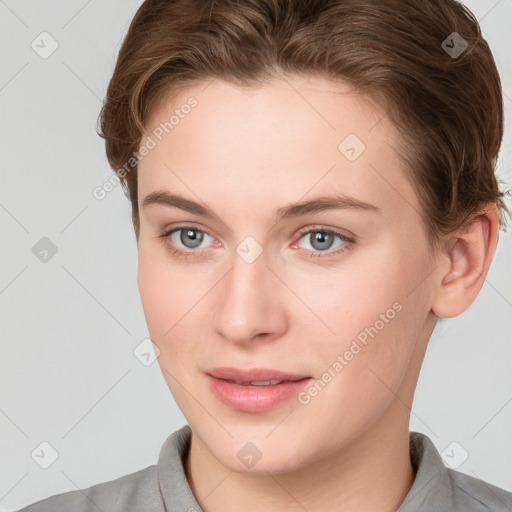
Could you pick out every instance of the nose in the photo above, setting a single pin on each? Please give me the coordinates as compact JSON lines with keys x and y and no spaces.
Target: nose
{"x":250,"y":302}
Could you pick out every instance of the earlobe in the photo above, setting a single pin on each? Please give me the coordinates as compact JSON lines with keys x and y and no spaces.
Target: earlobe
{"x":465,"y":263}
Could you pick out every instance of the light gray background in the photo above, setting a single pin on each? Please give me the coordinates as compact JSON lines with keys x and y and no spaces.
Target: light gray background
{"x":69,"y":326}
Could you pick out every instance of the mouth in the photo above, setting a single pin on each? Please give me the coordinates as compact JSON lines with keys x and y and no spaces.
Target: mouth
{"x":258,"y":383}
{"x":254,"y":376}
{"x":254,"y":390}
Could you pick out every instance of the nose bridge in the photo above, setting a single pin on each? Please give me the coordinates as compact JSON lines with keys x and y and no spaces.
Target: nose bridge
{"x":247,"y":302}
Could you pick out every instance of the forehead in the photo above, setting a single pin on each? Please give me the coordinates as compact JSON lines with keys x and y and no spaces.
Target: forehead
{"x":274,"y":144}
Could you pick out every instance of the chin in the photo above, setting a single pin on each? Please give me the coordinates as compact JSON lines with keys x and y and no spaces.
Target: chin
{"x":252,"y":451}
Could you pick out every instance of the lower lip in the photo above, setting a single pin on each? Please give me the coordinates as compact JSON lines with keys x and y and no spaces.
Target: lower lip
{"x":255,"y":398}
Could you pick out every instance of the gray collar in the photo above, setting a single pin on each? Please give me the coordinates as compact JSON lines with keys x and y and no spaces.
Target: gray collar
{"x":435,"y":488}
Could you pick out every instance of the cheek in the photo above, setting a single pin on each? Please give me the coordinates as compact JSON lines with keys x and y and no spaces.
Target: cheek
{"x":164,"y":292}
{"x":174,"y":297}
{"x":361,"y":368}
{"x":371,"y":314}
{"x":359,"y":298}
{"x":168,"y":296}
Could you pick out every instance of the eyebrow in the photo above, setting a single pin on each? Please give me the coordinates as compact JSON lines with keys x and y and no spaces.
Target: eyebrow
{"x":318,"y":204}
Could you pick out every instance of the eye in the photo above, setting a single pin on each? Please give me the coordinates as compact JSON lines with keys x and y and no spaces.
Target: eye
{"x":188,"y":237}
{"x":323,"y":241}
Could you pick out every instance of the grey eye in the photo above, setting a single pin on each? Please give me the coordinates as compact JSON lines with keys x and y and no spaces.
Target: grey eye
{"x":321,"y":240}
{"x":191,"y":238}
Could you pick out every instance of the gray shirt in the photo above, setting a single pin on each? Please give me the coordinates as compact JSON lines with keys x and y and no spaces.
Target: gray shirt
{"x":164,"y":487}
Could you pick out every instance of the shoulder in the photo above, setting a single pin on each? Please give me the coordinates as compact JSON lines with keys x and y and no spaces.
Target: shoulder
{"x":136,"y":491}
{"x":152,"y":489}
{"x":437,"y":487}
{"x":471,"y":493}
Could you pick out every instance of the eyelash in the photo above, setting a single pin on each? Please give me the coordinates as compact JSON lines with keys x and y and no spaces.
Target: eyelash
{"x":314,"y":254}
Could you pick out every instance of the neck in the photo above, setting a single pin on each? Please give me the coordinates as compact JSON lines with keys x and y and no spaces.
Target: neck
{"x":373,"y":473}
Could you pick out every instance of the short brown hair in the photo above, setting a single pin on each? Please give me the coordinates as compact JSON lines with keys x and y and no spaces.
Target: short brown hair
{"x":448,"y":107}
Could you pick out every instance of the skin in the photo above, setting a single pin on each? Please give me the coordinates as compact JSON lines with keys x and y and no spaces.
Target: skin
{"x":245,"y":153}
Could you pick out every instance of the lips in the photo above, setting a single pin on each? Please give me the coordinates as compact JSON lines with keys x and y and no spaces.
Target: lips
{"x":254,"y":376}
{"x":256,"y":390}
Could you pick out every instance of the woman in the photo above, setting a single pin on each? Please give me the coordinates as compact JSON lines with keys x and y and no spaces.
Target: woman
{"x":312,"y":187}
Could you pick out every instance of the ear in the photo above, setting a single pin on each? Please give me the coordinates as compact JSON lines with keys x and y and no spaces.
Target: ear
{"x":465,"y":261}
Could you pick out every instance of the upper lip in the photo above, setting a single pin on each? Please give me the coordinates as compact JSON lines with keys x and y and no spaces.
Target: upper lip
{"x":253,"y":374}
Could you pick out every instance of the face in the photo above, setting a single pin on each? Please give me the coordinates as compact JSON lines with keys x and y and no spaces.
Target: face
{"x":336,"y":297}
